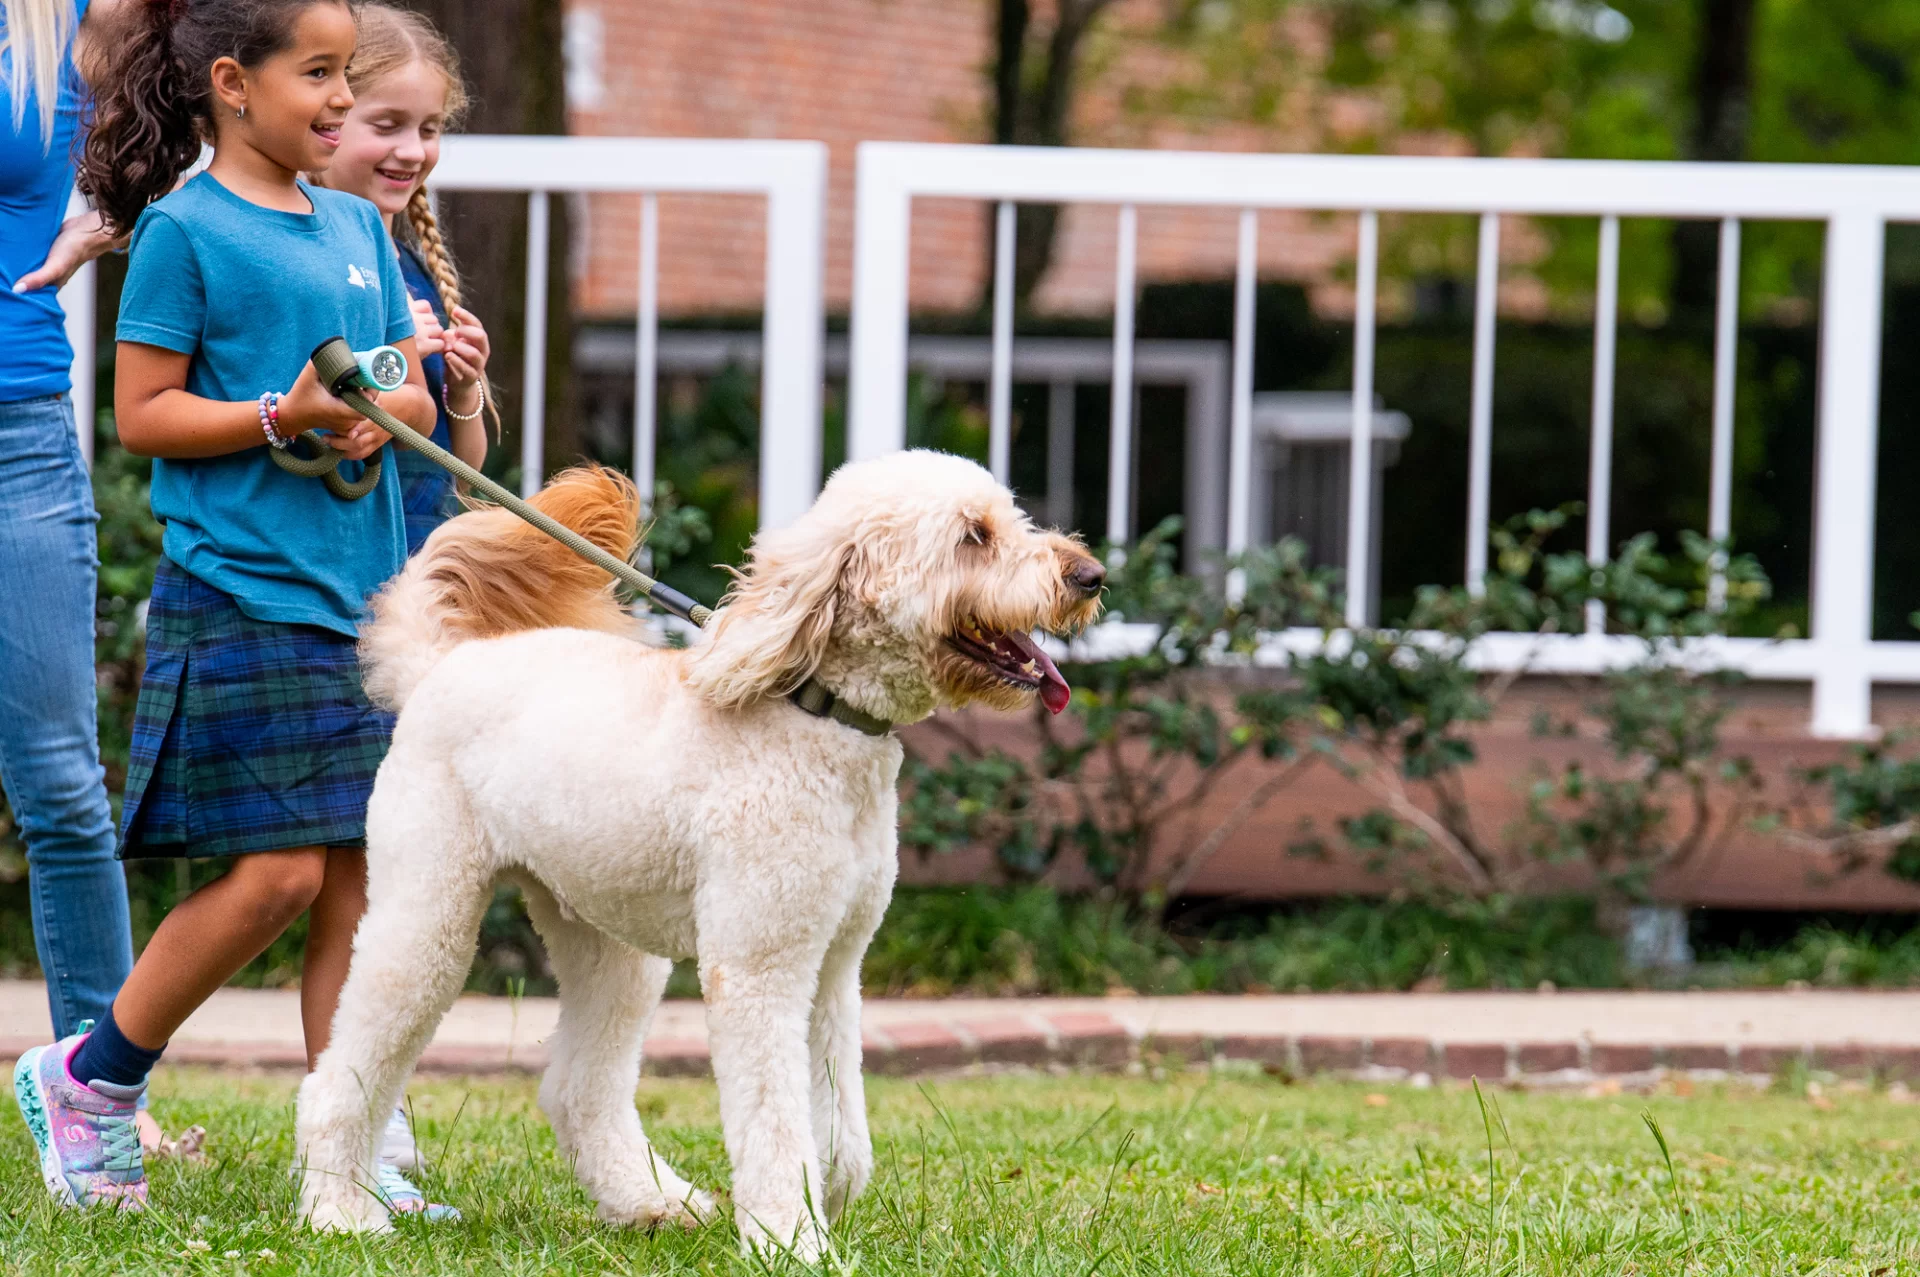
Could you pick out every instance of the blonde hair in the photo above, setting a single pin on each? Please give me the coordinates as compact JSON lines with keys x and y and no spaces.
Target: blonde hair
{"x":39,"y":35}
{"x":391,"y":40}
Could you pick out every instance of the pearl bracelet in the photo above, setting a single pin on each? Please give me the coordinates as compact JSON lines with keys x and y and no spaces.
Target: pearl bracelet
{"x":270,"y":419}
{"x":447,"y":402}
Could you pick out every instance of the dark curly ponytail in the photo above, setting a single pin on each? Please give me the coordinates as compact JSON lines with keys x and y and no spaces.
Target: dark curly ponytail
{"x":155,"y":104}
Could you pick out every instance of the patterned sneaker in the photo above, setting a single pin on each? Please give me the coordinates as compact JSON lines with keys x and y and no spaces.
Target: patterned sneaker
{"x":88,"y":1143}
{"x":397,"y":1145}
{"x":404,"y":1198}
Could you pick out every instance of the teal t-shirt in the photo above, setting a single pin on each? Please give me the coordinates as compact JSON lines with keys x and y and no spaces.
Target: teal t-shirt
{"x":249,"y":292}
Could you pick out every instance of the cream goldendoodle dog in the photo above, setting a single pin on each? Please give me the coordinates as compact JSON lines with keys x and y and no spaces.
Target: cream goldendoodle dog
{"x":658,"y":804}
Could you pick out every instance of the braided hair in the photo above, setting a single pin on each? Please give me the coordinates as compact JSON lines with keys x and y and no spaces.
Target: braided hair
{"x":390,"y":41}
{"x":425,"y":227}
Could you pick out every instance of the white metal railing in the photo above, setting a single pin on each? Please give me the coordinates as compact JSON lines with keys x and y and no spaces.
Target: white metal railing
{"x":77,"y":300}
{"x":792,"y":178}
{"x":1839,"y":657}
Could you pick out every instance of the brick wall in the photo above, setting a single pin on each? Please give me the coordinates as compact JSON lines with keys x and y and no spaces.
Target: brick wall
{"x":844,"y":71}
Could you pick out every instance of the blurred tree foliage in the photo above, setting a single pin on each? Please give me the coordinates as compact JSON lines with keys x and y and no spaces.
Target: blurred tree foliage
{"x":1831,"y":81}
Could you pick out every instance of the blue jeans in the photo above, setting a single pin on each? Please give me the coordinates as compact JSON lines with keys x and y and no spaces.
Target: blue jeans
{"x":49,"y":732}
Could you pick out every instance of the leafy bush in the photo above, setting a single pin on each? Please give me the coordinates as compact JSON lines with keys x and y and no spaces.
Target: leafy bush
{"x":1125,"y":780}
{"x":1150,"y":735}
{"x":1032,"y":940}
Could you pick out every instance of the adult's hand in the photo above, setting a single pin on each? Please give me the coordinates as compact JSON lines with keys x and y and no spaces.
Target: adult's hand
{"x":82,"y":238}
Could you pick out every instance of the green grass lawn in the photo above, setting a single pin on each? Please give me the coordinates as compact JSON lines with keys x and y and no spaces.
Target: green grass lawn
{"x":1073,"y":1176}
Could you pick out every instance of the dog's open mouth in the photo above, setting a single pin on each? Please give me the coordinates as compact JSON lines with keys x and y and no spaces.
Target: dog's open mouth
{"x":1015,"y":660}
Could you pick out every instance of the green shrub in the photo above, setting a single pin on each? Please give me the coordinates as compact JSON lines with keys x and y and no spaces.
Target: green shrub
{"x":1127,"y":780}
{"x":1032,"y":940}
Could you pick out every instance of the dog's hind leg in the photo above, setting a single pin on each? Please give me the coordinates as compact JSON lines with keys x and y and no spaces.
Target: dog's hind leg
{"x":608,"y":992}
{"x":426,"y":894}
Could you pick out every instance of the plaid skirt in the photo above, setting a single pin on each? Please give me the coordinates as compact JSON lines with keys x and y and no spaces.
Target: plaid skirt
{"x":249,"y":735}
{"x":426,"y":496}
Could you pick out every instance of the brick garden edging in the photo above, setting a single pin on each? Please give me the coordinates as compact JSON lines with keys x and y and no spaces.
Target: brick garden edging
{"x":1101,"y":1043}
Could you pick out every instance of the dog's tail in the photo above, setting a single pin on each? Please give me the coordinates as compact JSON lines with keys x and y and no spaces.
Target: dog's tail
{"x":486,"y":573}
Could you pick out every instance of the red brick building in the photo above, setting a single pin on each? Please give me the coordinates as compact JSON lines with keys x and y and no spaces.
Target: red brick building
{"x":845,"y":71}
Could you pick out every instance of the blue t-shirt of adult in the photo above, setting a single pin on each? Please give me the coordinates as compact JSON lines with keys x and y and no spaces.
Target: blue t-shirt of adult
{"x":36,"y":178}
{"x":249,"y":292}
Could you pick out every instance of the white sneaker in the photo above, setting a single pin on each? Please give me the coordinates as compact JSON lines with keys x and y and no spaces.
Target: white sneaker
{"x":397,"y":1146}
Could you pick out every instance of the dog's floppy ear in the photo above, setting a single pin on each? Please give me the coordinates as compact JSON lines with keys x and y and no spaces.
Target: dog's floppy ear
{"x":771,"y":633}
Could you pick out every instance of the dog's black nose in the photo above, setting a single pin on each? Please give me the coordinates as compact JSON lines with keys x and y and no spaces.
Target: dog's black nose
{"x":1087,"y":576}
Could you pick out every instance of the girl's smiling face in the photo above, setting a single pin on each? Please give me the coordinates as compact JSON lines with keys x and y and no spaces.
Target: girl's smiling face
{"x":391,"y":140}
{"x":297,"y":100}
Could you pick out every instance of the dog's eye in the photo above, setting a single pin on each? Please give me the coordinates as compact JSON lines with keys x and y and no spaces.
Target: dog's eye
{"x":977,"y":533}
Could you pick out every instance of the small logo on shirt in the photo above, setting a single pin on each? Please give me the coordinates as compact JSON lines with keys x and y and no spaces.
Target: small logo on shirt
{"x":354,"y":276}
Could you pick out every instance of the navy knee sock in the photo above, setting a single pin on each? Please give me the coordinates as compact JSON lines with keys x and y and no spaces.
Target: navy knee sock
{"x":107,"y":1056}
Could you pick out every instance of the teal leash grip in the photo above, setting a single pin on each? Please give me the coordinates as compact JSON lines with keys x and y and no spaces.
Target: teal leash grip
{"x":340,"y":371}
{"x":382,"y":368}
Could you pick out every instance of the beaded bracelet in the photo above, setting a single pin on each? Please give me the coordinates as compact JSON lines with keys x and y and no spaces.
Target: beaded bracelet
{"x":447,"y":403}
{"x":270,"y":418}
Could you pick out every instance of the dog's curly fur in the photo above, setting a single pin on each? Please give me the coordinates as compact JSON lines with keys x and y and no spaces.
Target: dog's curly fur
{"x":657,"y":805}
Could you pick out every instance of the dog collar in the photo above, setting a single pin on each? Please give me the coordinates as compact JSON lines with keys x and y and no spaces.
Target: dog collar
{"x":814,"y":699}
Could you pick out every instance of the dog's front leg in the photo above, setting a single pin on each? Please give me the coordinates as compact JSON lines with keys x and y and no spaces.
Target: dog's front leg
{"x":757,"y":988}
{"x":839,"y":1093}
{"x":426,"y":892}
{"x":411,"y":955}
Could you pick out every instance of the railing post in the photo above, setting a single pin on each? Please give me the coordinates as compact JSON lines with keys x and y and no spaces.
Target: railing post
{"x":1360,"y":454}
{"x":533,"y":386}
{"x":1120,"y":435}
{"x":1606,"y":325}
{"x":78,"y":297}
{"x":1842,"y":607}
{"x":1726,"y":365}
{"x":877,"y":339}
{"x":792,"y":329}
{"x":77,"y":300}
{"x":1240,"y":431}
{"x":646,"y":351}
{"x":1000,"y":377}
{"x":1486,"y":307}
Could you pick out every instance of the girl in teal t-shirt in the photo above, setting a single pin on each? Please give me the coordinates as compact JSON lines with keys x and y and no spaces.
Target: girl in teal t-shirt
{"x":253,"y":738}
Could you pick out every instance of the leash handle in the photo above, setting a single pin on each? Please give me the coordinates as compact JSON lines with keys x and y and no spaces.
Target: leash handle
{"x":339,"y":371}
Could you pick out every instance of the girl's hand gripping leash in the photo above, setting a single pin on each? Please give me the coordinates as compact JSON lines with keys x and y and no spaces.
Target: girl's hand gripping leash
{"x":382,"y":368}
{"x":340,"y":371}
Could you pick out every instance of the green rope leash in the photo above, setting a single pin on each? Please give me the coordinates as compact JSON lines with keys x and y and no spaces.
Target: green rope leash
{"x":324,"y":465}
{"x":340,"y":373}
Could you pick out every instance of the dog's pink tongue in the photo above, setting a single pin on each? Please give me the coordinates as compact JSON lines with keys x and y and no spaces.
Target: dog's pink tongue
{"x":1054,"y":692}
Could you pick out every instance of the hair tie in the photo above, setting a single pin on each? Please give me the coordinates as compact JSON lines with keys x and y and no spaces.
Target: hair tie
{"x":169,"y":11}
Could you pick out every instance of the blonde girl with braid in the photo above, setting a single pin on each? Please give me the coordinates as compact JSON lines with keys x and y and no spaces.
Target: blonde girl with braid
{"x":407,"y":92}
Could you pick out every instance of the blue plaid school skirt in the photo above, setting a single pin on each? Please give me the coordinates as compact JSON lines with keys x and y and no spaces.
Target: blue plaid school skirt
{"x":426,"y":496}
{"x":249,"y":735}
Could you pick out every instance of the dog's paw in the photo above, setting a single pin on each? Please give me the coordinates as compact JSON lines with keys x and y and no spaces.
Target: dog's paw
{"x":809,"y":1245}
{"x":341,"y":1217}
{"x":694,"y":1208}
{"x":688,"y":1210}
